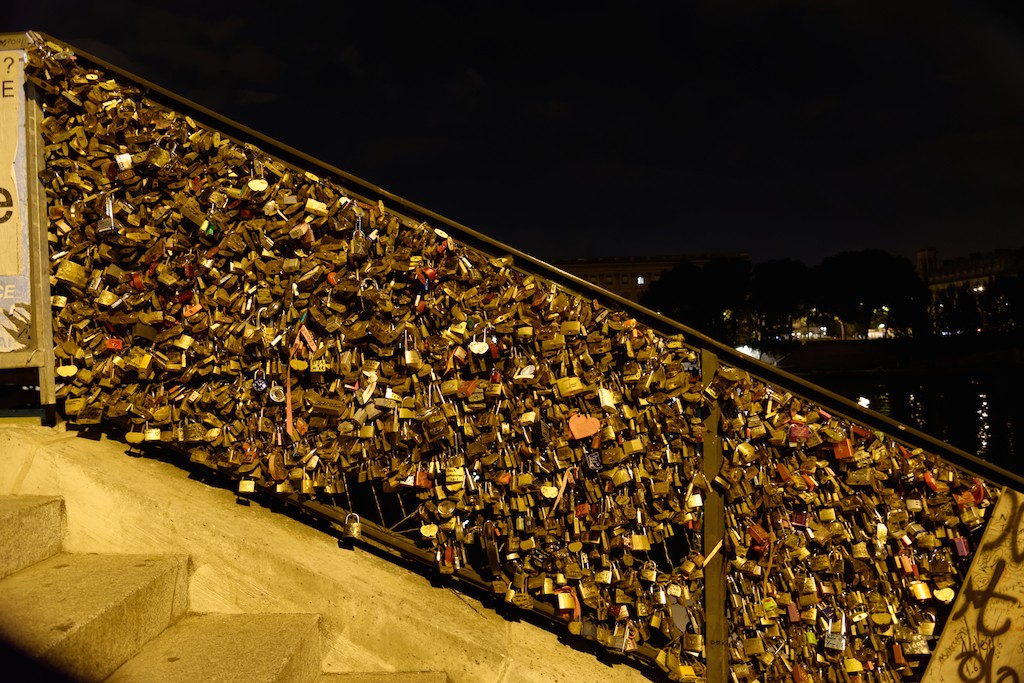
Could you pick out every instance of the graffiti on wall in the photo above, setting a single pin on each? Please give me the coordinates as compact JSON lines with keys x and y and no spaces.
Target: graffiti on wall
{"x":982,"y":642}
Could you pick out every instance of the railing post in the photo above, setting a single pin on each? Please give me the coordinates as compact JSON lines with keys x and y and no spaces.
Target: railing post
{"x":716,"y":625}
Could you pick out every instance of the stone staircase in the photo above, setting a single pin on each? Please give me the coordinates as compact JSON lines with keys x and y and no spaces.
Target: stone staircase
{"x":125,"y":617}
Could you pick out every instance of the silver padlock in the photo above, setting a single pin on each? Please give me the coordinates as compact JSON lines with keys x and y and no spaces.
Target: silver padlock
{"x":276,"y":393}
{"x":836,"y":641}
{"x":259,"y":382}
{"x":353,"y":529}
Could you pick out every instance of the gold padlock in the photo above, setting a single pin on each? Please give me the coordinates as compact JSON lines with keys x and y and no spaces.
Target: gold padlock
{"x":72,"y":273}
{"x":566,"y":600}
{"x":151,"y":433}
{"x":353,"y":529}
{"x":133,"y":437}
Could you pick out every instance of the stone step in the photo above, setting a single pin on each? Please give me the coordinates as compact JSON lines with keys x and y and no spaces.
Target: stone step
{"x":385,"y":677}
{"x":31,"y":530}
{"x":88,"y":614}
{"x":229,"y":648}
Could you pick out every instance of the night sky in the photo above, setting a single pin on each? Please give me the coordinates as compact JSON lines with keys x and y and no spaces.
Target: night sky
{"x":780,"y":129}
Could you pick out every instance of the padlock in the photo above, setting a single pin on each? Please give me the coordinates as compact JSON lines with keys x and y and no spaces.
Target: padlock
{"x":276,"y":393}
{"x":359,"y":245}
{"x":434,"y":424}
{"x":920,"y":590}
{"x":353,"y":528}
{"x":71,"y":273}
{"x":259,"y":382}
{"x":194,"y":432}
{"x":133,"y":436}
{"x":693,"y":642}
{"x":592,"y":461}
{"x":836,"y":641}
{"x":752,"y":646}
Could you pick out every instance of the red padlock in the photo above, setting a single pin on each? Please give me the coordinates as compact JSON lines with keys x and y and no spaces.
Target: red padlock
{"x":426,"y":276}
{"x":978,"y":491}
{"x":460,"y":355}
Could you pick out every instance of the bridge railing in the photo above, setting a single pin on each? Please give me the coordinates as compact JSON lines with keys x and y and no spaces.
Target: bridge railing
{"x":503,"y":422}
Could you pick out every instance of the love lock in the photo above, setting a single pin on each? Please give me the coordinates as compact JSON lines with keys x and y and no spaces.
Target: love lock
{"x":276,"y":393}
{"x":353,"y":529}
{"x":259,"y":382}
{"x":658,"y":596}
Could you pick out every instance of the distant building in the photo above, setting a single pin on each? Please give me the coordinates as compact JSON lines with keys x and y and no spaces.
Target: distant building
{"x":631,"y":276}
{"x":976,"y":293}
{"x":976,"y":270}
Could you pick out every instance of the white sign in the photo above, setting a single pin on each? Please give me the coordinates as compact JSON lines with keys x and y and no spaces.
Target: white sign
{"x":15,"y":294}
{"x":12,"y":132}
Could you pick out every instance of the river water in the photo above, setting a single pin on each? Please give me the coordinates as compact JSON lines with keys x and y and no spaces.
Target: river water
{"x":979,"y":413}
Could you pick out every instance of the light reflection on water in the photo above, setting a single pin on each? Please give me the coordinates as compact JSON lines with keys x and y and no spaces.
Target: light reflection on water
{"x":916,"y":411}
{"x":984,"y":428}
{"x":975,"y":414}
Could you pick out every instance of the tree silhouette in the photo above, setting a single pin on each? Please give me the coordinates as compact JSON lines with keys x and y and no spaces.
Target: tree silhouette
{"x":712,"y":298}
{"x":867,"y":288}
{"x":779,"y":294}
{"x":736,"y":303}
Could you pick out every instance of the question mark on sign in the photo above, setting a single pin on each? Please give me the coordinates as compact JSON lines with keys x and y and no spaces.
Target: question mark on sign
{"x":9,"y":61}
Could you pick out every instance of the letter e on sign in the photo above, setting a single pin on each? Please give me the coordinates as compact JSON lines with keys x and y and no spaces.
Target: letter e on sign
{"x":6,"y":203}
